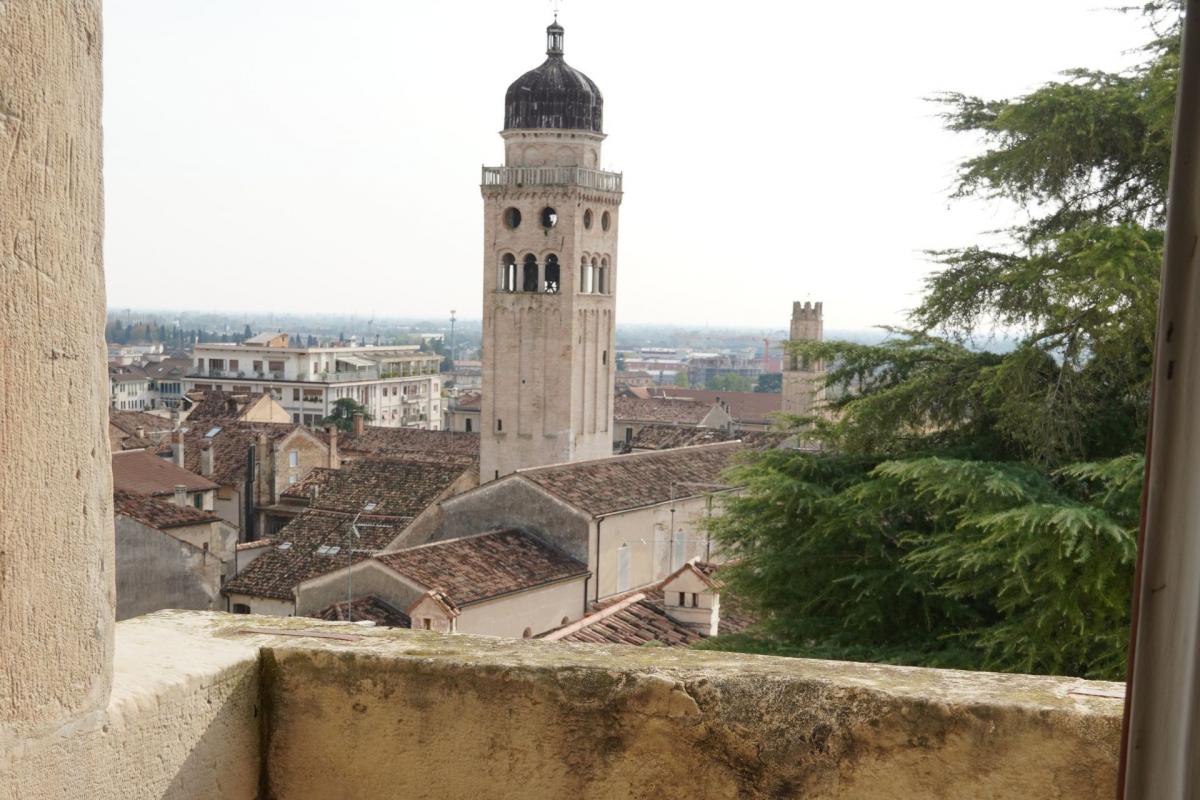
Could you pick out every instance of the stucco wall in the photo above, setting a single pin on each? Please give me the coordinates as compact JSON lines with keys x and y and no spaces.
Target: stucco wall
{"x":539,"y":610}
{"x":157,"y":571}
{"x":56,"y":530}
{"x":648,"y":534}
{"x":369,"y":578}
{"x":266,"y":606}
{"x":515,"y":504}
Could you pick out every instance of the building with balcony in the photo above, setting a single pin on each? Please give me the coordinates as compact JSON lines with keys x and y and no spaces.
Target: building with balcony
{"x":399,"y":386}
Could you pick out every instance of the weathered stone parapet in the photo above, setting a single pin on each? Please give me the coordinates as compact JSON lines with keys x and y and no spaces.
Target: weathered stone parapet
{"x":204,"y":706}
{"x":56,"y":521}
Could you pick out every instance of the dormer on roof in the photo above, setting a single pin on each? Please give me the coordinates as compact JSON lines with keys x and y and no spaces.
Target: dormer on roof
{"x":692,"y":595}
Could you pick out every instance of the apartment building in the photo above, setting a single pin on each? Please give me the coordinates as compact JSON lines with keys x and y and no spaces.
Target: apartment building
{"x":398,"y":385}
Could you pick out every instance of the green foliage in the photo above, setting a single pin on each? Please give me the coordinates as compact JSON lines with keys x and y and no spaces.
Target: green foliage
{"x":729,"y":382}
{"x":769,"y":383}
{"x":936,"y":561}
{"x":975,"y":508}
{"x":342,"y":414}
{"x":681,"y":379}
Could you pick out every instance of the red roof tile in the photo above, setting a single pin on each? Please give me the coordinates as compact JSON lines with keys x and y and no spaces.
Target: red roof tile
{"x":487,"y":565}
{"x":619,"y":483}
{"x":157,"y":513}
{"x":145,"y":473}
{"x":298,"y":556}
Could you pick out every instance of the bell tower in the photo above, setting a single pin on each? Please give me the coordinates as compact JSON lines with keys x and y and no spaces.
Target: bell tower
{"x":804,"y":379}
{"x":550,"y":220}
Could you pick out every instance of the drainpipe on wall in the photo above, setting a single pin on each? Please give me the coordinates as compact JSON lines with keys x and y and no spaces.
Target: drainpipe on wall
{"x":598,"y":521}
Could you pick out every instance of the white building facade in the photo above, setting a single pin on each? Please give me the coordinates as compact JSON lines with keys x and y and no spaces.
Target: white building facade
{"x":399,"y":386}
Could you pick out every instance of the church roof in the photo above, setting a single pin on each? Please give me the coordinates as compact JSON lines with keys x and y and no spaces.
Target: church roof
{"x":555,"y":95}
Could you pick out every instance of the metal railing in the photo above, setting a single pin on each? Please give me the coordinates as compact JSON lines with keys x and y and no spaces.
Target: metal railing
{"x":552,"y":176}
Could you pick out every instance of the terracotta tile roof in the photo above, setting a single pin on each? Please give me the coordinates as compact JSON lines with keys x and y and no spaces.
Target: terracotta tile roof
{"x":398,"y":488}
{"x":218,"y":405}
{"x":254,"y":545}
{"x":486,"y":565}
{"x":619,"y":483}
{"x":748,"y":407}
{"x":295,"y":557}
{"x":636,"y":620}
{"x":157,"y":513}
{"x":230,"y":444}
{"x":411,"y":444}
{"x":666,"y":437}
{"x":468,"y":401}
{"x":640,"y":617}
{"x":675,"y":412}
{"x":143,"y":472}
{"x":130,"y":421}
{"x":369,"y":608}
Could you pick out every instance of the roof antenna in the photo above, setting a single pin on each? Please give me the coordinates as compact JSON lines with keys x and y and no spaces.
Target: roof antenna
{"x":556,"y":4}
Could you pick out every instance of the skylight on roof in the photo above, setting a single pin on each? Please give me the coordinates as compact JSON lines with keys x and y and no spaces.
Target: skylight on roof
{"x":285,"y":546}
{"x":212,"y":432}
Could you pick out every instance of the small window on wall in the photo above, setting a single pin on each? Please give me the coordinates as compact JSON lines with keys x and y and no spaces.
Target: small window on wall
{"x":550,"y":217}
{"x":468,"y":426}
{"x":499,"y":426}
{"x":293,"y":458}
{"x":682,"y":595}
{"x":241,"y":608}
{"x":427,"y":623}
{"x":587,"y":219}
{"x":512,"y":218}
{"x":695,"y":600}
{"x":605,"y":220}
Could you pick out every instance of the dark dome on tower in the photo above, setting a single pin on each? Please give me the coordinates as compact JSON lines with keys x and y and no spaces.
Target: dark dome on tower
{"x":554,"y":95}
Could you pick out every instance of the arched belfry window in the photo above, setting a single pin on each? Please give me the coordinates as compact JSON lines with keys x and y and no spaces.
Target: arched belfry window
{"x":529,"y":274}
{"x":508,"y":273}
{"x":602,"y":282}
{"x":552,"y":274}
{"x":585,"y":278}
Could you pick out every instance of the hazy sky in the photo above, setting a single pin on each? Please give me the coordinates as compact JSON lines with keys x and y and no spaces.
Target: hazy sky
{"x":288,"y":155}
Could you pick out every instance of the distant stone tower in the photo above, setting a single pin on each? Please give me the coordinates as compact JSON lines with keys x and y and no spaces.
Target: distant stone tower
{"x":803,"y":380}
{"x":549,"y":275}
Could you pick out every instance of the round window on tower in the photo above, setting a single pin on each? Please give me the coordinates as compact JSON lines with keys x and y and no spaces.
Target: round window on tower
{"x":512,"y":217}
{"x":549,"y":217}
{"x":587,"y":219}
{"x":605,"y":220}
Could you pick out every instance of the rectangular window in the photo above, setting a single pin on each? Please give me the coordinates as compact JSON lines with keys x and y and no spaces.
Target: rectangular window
{"x":198,"y":500}
{"x":257,"y":366}
{"x":293,"y":459}
{"x":296,"y":394}
{"x":275,"y":366}
{"x":681,"y":596}
{"x":233,"y":364}
{"x":695,"y":600}
{"x":295,"y":419}
{"x":628,"y":435}
{"x":427,"y":623}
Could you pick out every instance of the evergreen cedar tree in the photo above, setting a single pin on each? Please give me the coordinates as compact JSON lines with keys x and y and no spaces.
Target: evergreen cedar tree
{"x":978,"y":509}
{"x":342,"y":414}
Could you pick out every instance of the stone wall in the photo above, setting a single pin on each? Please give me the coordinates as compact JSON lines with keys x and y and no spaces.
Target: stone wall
{"x":56,"y":529}
{"x":209,"y":705}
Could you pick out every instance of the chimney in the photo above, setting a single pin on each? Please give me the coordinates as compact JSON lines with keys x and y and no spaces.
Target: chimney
{"x":358,"y":420}
{"x":177,"y":452}
{"x":334,"y":461}
{"x":180,"y":495}
{"x":174,"y":419}
{"x":206,"y":458}
{"x":140,"y":432}
{"x":264,"y":471}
